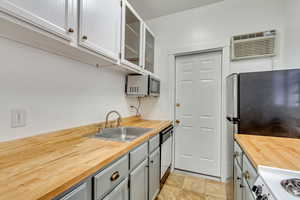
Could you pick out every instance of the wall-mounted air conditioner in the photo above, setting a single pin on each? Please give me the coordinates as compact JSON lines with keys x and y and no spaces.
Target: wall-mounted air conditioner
{"x":253,"y":45}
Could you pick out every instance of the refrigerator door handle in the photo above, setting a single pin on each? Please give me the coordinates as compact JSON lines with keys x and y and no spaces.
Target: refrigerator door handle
{"x":235,"y":120}
{"x":229,"y":119}
{"x":235,"y":95}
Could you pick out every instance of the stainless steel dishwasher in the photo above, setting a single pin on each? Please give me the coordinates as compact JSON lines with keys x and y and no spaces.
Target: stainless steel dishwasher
{"x":166,"y":142}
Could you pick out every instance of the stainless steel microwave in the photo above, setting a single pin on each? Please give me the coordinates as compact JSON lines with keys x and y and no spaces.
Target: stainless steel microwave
{"x":142,"y":85}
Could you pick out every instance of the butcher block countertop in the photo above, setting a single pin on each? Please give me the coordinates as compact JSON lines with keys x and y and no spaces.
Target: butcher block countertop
{"x":43,"y":166}
{"x":276,"y":152}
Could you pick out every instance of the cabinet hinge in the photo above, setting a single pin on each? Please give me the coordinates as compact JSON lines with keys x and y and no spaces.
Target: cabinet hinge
{"x":120,"y":55}
{"x":121,"y":4}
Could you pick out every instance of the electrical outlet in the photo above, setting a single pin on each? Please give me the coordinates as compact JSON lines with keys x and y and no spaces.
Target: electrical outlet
{"x":18,"y":118}
{"x":132,"y":108}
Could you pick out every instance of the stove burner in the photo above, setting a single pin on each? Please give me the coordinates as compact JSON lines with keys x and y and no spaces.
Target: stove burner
{"x":292,"y":186}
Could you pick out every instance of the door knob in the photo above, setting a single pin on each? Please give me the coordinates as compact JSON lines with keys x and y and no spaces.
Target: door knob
{"x":177,"y":121}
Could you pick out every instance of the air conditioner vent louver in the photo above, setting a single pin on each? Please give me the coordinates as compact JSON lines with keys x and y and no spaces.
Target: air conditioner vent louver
{"x":253,"y":45}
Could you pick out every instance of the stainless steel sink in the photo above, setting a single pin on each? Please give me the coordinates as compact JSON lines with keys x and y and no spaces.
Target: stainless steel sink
{"x":121,"y":134}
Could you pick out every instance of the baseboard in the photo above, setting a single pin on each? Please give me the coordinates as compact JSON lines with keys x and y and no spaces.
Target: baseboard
{"x":185,"y":172}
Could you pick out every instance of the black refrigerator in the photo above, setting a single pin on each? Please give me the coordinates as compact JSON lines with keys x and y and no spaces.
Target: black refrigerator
{"x":264,"y":103}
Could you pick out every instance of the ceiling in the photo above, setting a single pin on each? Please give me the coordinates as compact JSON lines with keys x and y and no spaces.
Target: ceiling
{"x":149,"y":9}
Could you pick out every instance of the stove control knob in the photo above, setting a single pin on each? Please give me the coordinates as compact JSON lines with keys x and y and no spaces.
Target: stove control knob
{"x":262,"y":197}
{"x":265,"y":197}
{"x":257,"y":189}
{"x":254,"y":188}
{"x":258,"y":197}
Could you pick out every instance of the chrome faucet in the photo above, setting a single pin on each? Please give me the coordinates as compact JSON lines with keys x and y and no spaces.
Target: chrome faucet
{"x":119,"y":120}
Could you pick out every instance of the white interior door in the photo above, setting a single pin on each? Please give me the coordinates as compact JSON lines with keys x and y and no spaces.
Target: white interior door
{"x":198,"y":93}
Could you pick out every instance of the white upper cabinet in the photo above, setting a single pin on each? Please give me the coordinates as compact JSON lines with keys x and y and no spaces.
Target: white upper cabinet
{"x":132,"y":35}
{"x":54,"y":16}
{"x":96,"y":32}
{"x":100,"y":26}
{"x":149,"y":46}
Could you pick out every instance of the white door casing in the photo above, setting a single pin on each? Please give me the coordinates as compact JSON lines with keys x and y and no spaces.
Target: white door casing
{"x":100,"y":26}
{"x":54,"y":16}
{"x":199,"y":93}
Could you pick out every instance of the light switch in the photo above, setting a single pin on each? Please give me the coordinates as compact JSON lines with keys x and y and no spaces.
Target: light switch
{"x":18,"y":118}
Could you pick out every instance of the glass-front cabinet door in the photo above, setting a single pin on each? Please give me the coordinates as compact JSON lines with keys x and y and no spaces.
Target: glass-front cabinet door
{"x":149,"y":50}
{"x":132,"y":38}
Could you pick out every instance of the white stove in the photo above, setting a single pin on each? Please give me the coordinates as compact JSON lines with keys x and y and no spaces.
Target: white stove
{"x":276,"y":184}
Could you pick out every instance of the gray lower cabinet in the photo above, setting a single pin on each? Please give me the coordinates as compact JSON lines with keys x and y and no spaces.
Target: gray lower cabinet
{"x":238,"y":154}
{"x":238,"y":184}
{"x":244,"y":175}
{"x":247,"y":193}
{"x":82,"y":192}
{"x":120,"y":192}
{"x":139,"y":182}
{"x":111,"y":183}
{"x":249,"y":171}
{"x":154,"y":174}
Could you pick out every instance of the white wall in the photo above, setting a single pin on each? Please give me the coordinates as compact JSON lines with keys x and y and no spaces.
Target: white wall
{"x":209,"y":25}
{"x":292,"y":34}
{"x":56,"y":92}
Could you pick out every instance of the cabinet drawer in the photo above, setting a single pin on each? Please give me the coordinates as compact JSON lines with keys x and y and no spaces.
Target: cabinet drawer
{"x":249,"y":172}
{"x":153,"y":143}
{"x":238,"y":154}
{"x":110,"y":177}
{"x":138,"y":155}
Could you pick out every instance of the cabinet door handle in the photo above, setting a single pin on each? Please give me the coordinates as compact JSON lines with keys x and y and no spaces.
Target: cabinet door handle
{"x":247,"y":175}
{"x":236,"y":154}
{"x":115,"y":176}
{"x":71,"y":30}
{"x":151,"y":161}
{"x":177,"y":121}
{"x":84,"y":37}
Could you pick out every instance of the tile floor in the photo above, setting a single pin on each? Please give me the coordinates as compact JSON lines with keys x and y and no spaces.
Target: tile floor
{"x":183,"y":187}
